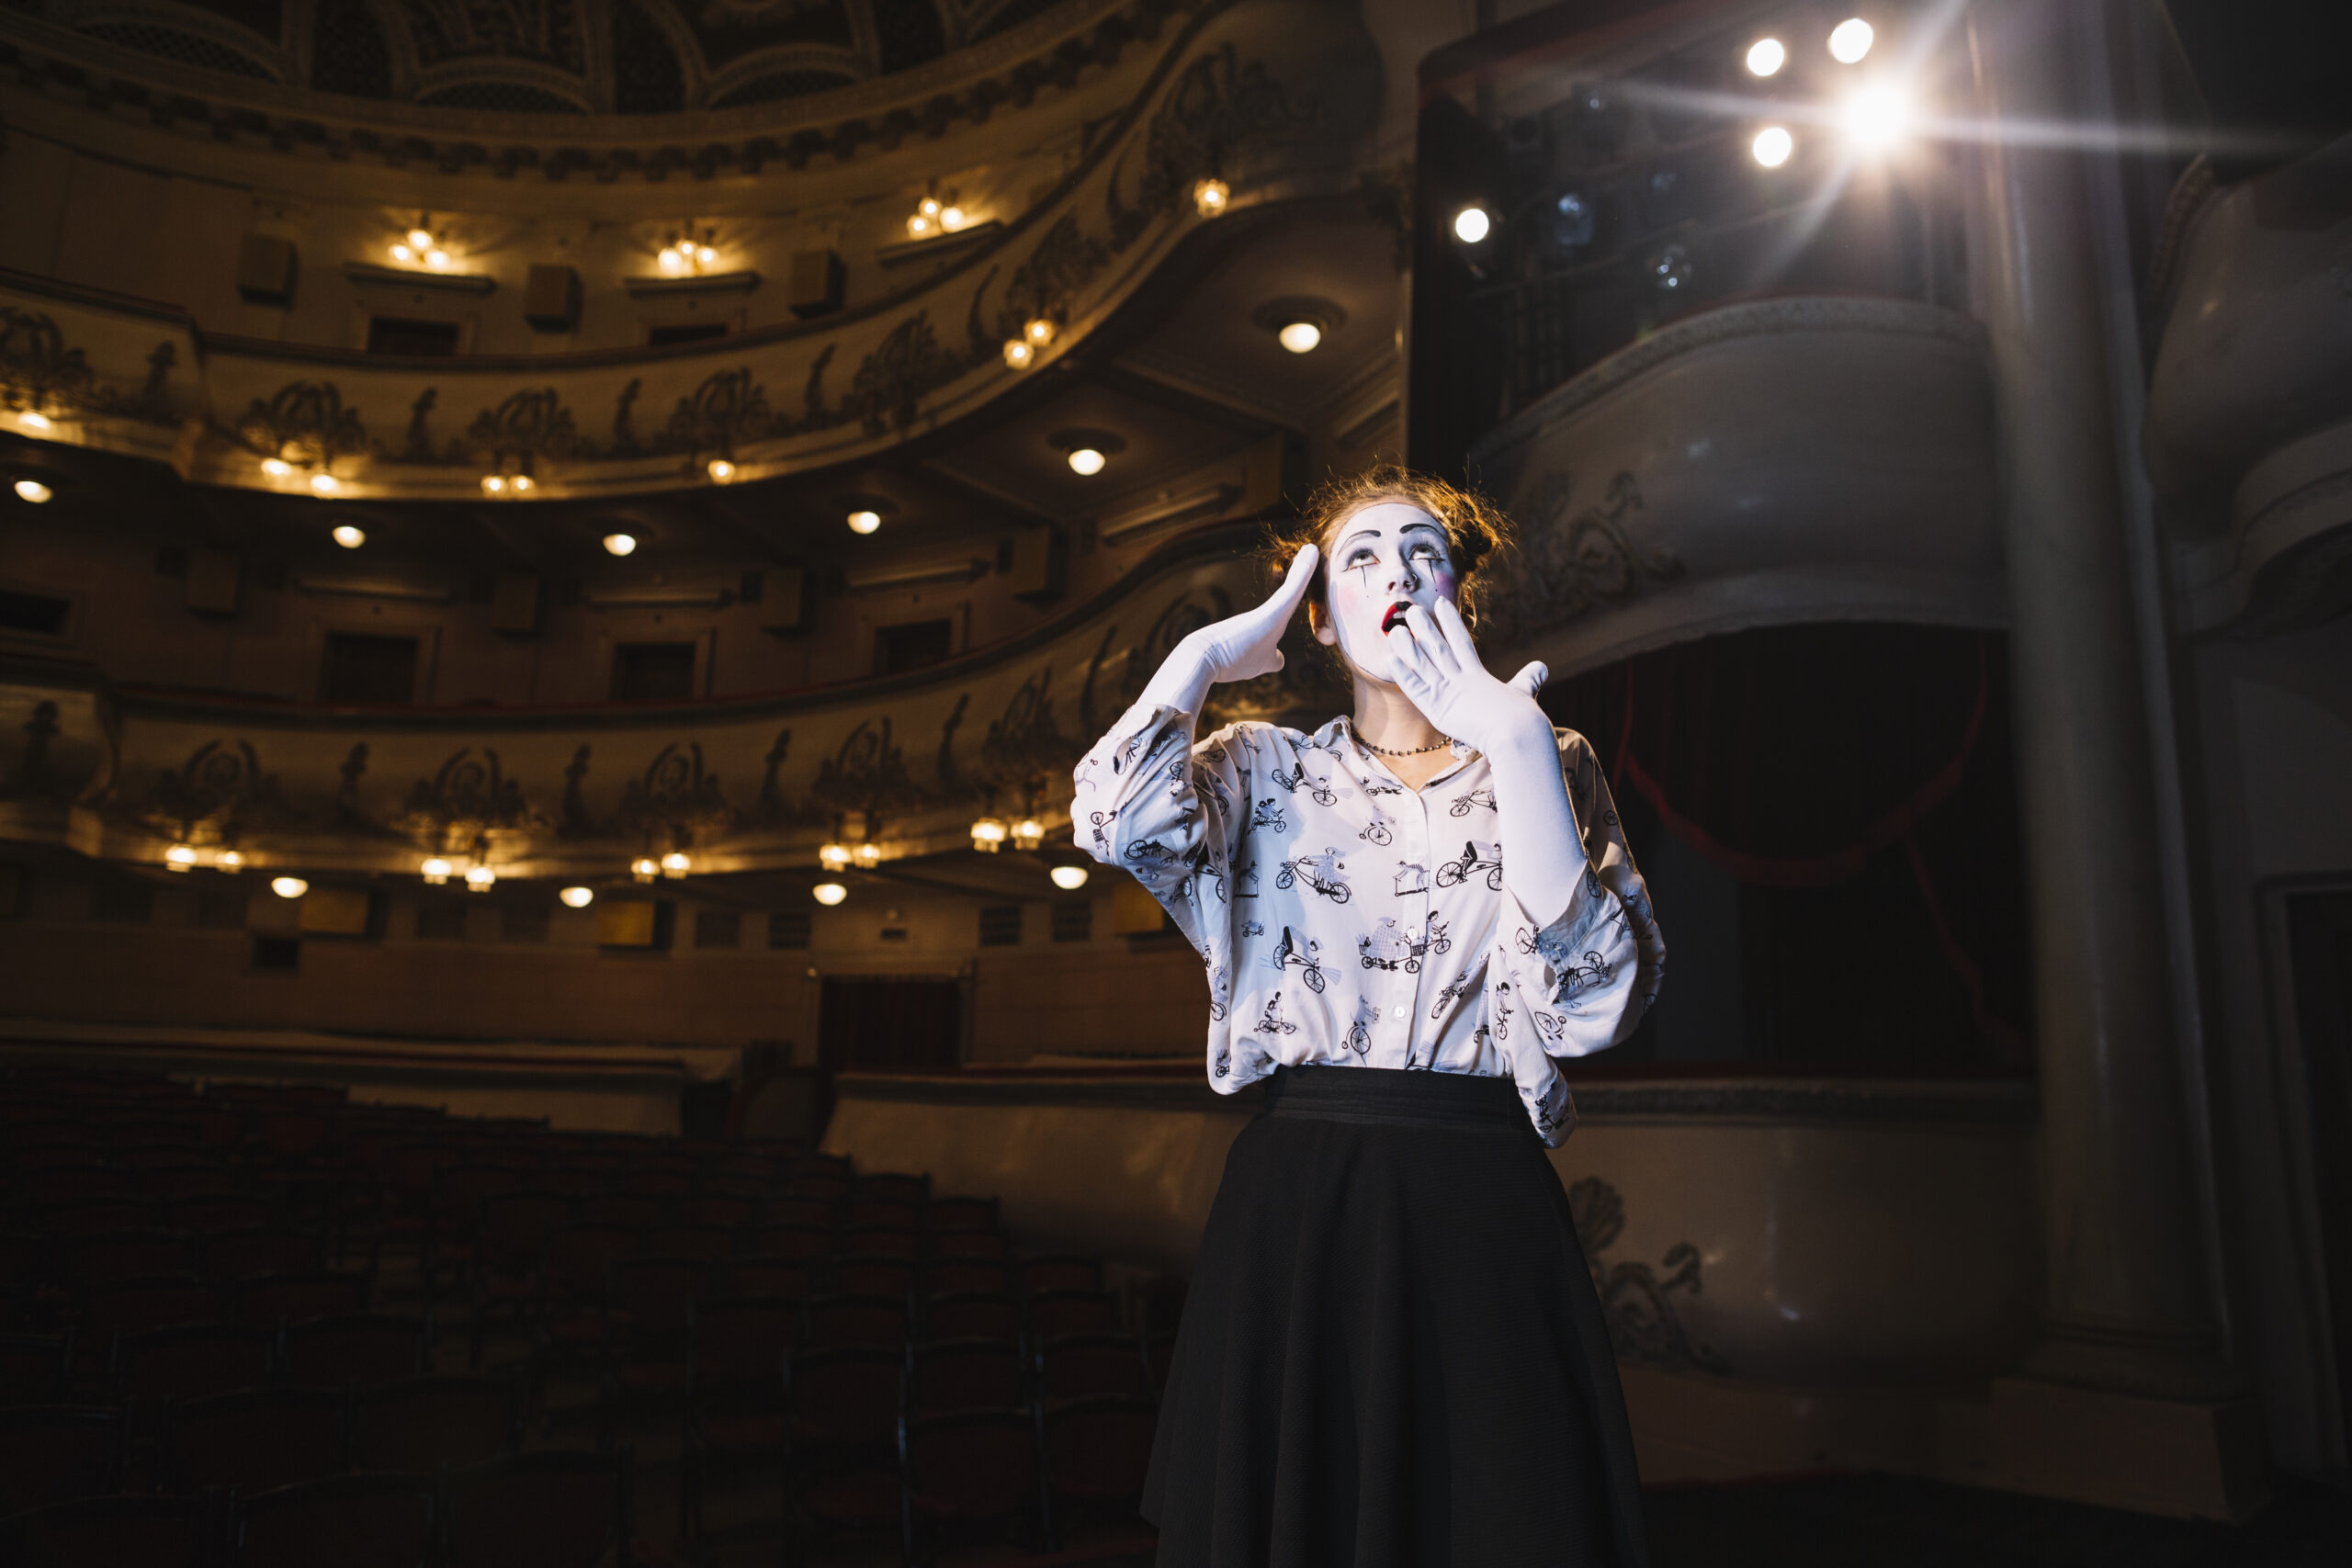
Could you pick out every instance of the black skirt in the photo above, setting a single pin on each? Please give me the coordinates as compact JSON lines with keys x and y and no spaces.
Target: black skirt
{"x":1391,"y":1352}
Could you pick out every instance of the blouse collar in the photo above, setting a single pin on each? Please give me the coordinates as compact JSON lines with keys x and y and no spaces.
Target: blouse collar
{"x":1339,"y":736}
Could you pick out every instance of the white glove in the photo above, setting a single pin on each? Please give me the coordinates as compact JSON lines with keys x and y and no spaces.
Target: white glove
{"x":1437,"y":666}
{"x":1239,"y":647}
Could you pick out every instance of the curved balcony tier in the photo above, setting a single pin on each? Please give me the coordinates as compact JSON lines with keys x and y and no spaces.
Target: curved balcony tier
{"x":1763,"y":464}
{"x":2249,"y":433}
{"x":1270,"y":97}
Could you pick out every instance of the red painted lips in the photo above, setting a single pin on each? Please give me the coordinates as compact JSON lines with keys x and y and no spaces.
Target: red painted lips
{"x":1396,"y":613}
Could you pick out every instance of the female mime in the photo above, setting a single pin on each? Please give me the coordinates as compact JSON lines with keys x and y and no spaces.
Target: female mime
{"x":1391,"y":1352}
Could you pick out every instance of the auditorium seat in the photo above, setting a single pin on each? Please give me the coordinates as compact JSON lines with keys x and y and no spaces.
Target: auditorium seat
{"x":970,"y":1472}
{"x":419,"y":1424}
{"x":255,"y":1438}
{"x":1084,"y":1366}
{"x":1097,"y":1451}
{"x":344,"y":1348}
{"x":114,"y":1532}
{"x":953,"y":1274}
{"x":191,"y":1361}
{"x":966,"y":1374}
{"x":835,"y":1321}
{"x":1061,"y":1272}
{"x":269,"y":1298}
{"x":876,"y":1276}
{"x":52,"y":1453}
{"x":549,"y":1509}
{"x":1057,"y":1311}
{"x":346,"y":1521}
{"x":963,"y":1215}
{"x":33,"y":1366}
{"x":971,"y":1314}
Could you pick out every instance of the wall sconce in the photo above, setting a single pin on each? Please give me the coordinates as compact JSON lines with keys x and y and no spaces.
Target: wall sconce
{"x":833,"y":856}
{"x":1028,"y":833}
{"x":422,"y":247}
{"x":229,"y":861}
{"x":501,"y":483}
{"x":683,"y":256}
{"x":480,"y":878}
{"x":645,"y":868}
{"x":721,"y":470}
{"x":1210,"y":196}
{"x":828,"y":893}
{"x":866,"y":856}
{"x":936,"y":214}
{"x":436,"y":870}
{"x":179,"y":857}
{"x":988,"y":834}
{"x":289,"y":886}
{"x":675,"y":864}
{"x":577,"y":898}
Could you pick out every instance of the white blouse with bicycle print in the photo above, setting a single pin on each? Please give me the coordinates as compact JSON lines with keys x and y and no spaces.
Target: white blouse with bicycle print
{"x":1346,"y":918}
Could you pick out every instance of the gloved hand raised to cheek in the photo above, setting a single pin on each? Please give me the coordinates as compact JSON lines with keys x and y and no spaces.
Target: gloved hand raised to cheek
{"x":1239,"y":647}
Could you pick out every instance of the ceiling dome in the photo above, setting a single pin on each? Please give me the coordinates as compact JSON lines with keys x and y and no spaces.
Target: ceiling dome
{"x":545,"y":56}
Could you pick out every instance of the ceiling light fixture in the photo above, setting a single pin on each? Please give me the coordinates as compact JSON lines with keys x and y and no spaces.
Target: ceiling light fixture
{"x":1039,"y":330}
{"x":480,"y":878}
{"x":434,"y":870}
{"x":828,"y":893}
{"x":324,"y":484}
{"x":349,"y":536}
{"x":289,"y":886}
{"x":179,"y":857}
{"x":1087,"y":451}
{"x":1211,"y":197}
{"x":522,"y":484}
{"x":229,"y":861}
{"x":1765,"y":56}
{"x":1300,"y":337}
{"x":1773,"y":146}
{"x":1876,"y":117}
{"x":1472,"y":225}
{"x":1018,"y":353}
{"x":1299,"y":321}
{"x":34,"y":492}
{"x":577,"y":898}
{"x":1086,"y":461}
{"x":675,"y":864}
{"x":833,"y":856}
{"x":1028,"y":832}
{"x":33,"y":419}
{"x":720,"y":471}
{"x":619,"y":544}
{"x":988,"y":834}
{"x":864,"y":521}
{"x":867,"y":855}
{"x":645,"y":868}
{"x":276,"y":468}
{"x":493,"y":484}
{"x":1850,"y":39}
{"x":1069,"y":878}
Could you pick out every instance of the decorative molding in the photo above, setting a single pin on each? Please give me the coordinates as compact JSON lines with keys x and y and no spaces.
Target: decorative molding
{"x":1637,"y":1302}
{"x":939,"y":247}
{"x":699,"y":286}
{"x":894,"y":579}
{"x":1194,"y":506}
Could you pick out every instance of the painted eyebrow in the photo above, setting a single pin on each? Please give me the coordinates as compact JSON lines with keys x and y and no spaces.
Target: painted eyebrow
{"x":1375,"y":533}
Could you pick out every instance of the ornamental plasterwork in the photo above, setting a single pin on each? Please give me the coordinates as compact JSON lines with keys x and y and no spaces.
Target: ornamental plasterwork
{"x":1641,"y":1305}
{"x":863,"y":381}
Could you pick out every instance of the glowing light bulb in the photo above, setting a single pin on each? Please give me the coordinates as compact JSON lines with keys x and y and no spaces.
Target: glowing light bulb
{"x":325,"y":484}
{"x":33,"y":419}
{"x":867,"y":855}
{"x":34,"y":492}
{"x":493,"y":484}
{"x":833,"y":856}
{"x":480,"y":878}
{"x":522,"y":484}
{"x":1471,"y":225}
{"x":619,"y":544}
{"x":704,"y":255}
{"x":420,"y":239}
{"x":1876,"y":117}
{"x":828,"y":893}
{"x":918,"y":225}
{"x":276,"y":468}
{"x":438,"y":259}
{"x":673,"y":260}
{"x":230,"y":859}
{"x":1039,"y":330}
{"x":1850,"y":39}
{"x":1300,"y":337}
{"x":434,"y":870}
{"x":928,"y":207}
{"x":179,"y":857}
{"x":1086,"y":461}
{"x":1028,"y":833}
{"x":720,"y":471}
{"x":951,"y":218}
{"x":1765,"y":56}
{"x":289,"y":886}
{"x":403,"y":254}
{"x":349,"y":536}
{"x":864,"y":522}
{"x":675,"y":864}
{"x":989,"y":835}
{"x":645,"y":868}
{"x":1210,"y":197}
{"x":1069,"y":878}
{"x":577,"y":898}
{"x":1018,"y":353}
{"x":1773,"y":146}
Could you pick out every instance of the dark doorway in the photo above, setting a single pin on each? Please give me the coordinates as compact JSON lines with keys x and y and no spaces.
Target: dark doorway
{"x":910,"y":646}
{"x":424,"y":340}
{"x":363,"y":669}
{"x":890,"y":1023}
{"x":2318,"y":947}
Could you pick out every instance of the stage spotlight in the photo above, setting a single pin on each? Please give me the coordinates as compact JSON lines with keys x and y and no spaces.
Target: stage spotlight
{"x":1850,"y":39}
{"x":1765,"y":56}
{"x":1876,"y":117}
{"x":1773,"y":146}
{"x":1471,"y":225}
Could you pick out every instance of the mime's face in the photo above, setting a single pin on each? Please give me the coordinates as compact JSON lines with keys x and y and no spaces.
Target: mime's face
{"x":1390,"y":553}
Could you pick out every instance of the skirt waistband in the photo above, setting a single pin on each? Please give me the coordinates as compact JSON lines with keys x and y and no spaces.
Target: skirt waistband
{"x":1394,"y":1097}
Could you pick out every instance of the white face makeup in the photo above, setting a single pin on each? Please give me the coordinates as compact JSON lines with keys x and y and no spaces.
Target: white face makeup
{"x":1388,"y":553}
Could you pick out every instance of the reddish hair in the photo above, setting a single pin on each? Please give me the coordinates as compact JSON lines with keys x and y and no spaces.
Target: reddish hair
{"x":1476,"y":528}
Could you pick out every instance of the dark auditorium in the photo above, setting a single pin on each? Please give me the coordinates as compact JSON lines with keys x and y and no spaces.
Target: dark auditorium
{"x":1175,"y":783}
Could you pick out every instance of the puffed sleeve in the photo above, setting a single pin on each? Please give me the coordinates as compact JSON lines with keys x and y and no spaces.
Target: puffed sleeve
{"x":1583,"y":981}
{"x":1153,"y":804}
